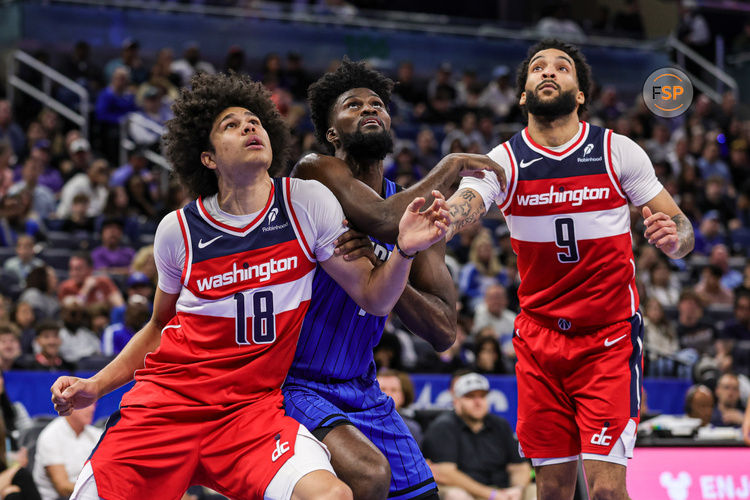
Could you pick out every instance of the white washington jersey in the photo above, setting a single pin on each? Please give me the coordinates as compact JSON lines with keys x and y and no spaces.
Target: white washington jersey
{"x":569,"y":220}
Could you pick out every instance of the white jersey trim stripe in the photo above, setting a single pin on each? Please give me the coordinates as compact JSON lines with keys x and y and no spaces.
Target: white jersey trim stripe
{"x":580,"y":140}
{"x":513,"y":181}
{"x":236,"y":232}
{"x":188,"y":245}
{"x":292,"y":218}
{"x":588,"y":225}
{"x":607,"y":156}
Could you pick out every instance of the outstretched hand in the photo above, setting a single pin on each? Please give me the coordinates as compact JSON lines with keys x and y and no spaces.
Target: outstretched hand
{"x":661,"y":231}
{"x":474,"y":165}
{"x":72,"y":393}
{"x":420,"y":230}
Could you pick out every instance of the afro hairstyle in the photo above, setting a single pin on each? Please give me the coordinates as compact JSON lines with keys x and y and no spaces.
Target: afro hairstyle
{"x":323,"y":93}
{"x":583,"y":70}
{"x":188,"y":133}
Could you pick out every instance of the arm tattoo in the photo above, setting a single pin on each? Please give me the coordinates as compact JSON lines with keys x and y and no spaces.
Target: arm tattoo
{"x":463,"y":214}
{"x":684,"y":235}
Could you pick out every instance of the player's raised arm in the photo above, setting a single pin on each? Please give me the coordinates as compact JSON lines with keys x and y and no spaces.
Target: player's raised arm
{"x":376,"y":289}
{"x":667,"y":227}
{"x":69,"y":393}
{"x":466,"y":207}
{"x":380,"y":217}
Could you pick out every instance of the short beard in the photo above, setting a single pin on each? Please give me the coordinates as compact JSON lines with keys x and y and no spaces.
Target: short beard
{"x":562,"y":105}
{"x":367,"y":148}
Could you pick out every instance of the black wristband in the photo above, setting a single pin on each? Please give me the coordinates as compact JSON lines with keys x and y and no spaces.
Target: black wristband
{"x":404,"y":254}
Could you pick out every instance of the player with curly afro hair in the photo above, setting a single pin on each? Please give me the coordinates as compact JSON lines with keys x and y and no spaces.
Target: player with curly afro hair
{"x":194,"y":113}
{"x":322,"y":95}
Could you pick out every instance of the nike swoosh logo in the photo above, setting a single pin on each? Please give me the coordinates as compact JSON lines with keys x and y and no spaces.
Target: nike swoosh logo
{"x":525,"y":164}
{"x":204,"y":245}
{"x":608,"y":342}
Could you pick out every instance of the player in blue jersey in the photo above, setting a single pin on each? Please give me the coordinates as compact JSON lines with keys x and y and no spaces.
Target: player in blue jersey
{"x":332,"y":388}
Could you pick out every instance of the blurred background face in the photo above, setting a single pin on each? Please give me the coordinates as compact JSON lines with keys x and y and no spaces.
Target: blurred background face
{"x":10,"y":347}
{"x":496,"y":299}
{"x":702,"y":405}
{"x":473,"y":406}
{"x":78,"y":269}
{"x":25,"y":248}
{"x":689,"y":311}
{"x":391,"y":385}
{"x":49,"y":342}
{"x":82,"y":417}
{"x":728,"y":390}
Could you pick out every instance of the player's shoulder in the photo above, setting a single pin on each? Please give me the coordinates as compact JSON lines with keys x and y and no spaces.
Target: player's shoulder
{"x":315,"y":166}
{"x":499,"y":151}
{"x":623,"y":142}
{"x":310,"y":194}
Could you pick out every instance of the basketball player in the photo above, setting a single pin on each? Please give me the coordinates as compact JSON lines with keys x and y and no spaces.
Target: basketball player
{"x":235,"y":280}
{"x":579,"y":335}
{"x":332,"y":387}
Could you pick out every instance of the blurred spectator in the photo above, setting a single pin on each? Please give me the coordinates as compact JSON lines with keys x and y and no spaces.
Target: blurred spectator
{"x":93,"y":184}
{"x":493,"y":312}
{"x":662,"y":285}
{"x":404,"y":169}
{"x":728,"y":410}
{"x":699,"y":403}
{"x":129,"y":59}
{"x":488,"y":358}
{"x":482,"y":270}
{"x":47,"y":350}
{"x":53,"y":132}
{"x":556,"y":22}
{"x":24,"y":318}
{"x":161,"y":75}
{"x":709,"y":233}
{"x":99,"y":317}
{"x":9,"y":130}
{"x":407,"y":88}
{"x":112,"y":257}
{"x":660,"y":340}
{"x":733,"y":345}
{"x":715,"y":197}
{"x":427,"y":154}
{"x":155,"y":109}
{"x":6,"y":172}
{"x":78,"y":341}
{"x":608,"y":107}
{"x":15,"y":419}
{"x":499,"y":95}
{"x":693,"y":331}
{"x":190,"y":64}
{"x":472,"y":450}
{"x":140,"y":199}
{"x":40,"y":292}
{"x":61,"y":451}
{"x":693,"y":30}
{"x":79,"y":221}
{"x":138,"y":285}
{"x":719,"y":257}
{"x":90,"y":288}
{"x":711,"y":164}
{"x":17,"y":218}
{"x":116,"y":336}
{"x":143,"y":262}
{"x":658,"y":146}
{"x":79,"y":67}
{"x":463,"y":87}
{"x":387,"y":354}
{"x":112,"y":104}
{"x":399,"y":387}
{"x":24,"y":261}
{"x":137,"y":165}
{"x":10,"y":346}
{"x":79,"y":153}
{"x":628,"y":21}
{"x":443,"y":80}
{"x":297,"y":78}
{"x":710,"y":290}
{"x":234,"y":62}
{"x":678,"y":155}
{"x":42,"y":198}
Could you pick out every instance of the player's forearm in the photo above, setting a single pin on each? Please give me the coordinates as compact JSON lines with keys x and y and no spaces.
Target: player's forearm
{"x":384,"y":286}
{"x":685,"y":237}
{"x":466,"y":207}
{"x":430,"y":316}
{"x":384,"y":224}
{"x":121,"y":369}
{"x":520,"y":474}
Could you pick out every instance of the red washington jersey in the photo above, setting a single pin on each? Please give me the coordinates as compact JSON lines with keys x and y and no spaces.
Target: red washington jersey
{"x":244,"y":291}
{"x":569,"y":221}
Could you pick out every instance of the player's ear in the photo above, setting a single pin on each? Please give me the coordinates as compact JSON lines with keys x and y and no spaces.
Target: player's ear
{"x":208,"y":160}
{"x":522,"y":99}
{"x":580,"y":98}
{"x":332,"y":136}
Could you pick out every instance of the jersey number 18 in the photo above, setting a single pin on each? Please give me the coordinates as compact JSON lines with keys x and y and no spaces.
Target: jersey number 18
{"x":264,"y":322}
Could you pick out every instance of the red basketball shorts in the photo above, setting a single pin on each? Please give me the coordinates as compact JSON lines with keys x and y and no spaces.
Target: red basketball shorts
{"x":577,"y":393}
{"x":160,"y":452}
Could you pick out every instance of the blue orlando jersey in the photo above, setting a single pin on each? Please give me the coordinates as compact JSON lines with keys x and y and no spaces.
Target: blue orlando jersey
{"x":337,"y":335}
